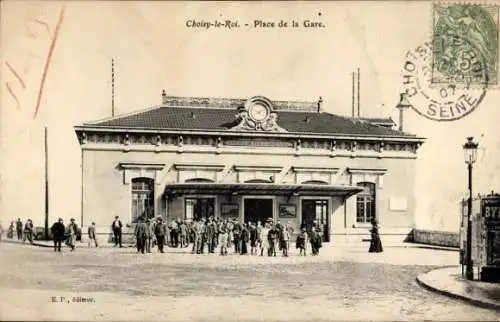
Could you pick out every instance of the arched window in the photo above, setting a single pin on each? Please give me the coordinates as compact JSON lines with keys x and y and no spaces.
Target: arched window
{"x":314,"y":182}
{"x":258,"y":181}
{"x":198,"y":180}
{"x":365,"y":209}
{"x":143,"y":203}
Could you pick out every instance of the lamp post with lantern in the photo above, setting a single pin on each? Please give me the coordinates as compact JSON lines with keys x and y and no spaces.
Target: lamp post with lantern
{"x":470,"y":154}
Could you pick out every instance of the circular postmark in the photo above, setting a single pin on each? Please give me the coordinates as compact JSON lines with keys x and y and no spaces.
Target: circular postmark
{"x":448,"y":100}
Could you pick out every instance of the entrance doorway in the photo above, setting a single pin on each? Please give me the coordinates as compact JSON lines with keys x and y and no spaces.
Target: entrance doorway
{"x":257,"y":210}
{"x":199,"y":208}
{"x":316,"y":210}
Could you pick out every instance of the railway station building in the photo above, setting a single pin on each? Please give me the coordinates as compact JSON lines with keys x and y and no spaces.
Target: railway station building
{"x":250,"y":159}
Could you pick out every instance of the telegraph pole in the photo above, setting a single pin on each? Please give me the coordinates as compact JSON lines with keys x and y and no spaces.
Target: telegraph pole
{"x":46,"y":186}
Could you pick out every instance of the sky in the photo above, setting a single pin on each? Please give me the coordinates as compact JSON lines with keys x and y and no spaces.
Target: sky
{"x":153,"y":49}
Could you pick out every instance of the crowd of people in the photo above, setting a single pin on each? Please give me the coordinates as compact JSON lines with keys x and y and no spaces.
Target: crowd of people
{"x":228,"y":236}
{"x":21,"y":231}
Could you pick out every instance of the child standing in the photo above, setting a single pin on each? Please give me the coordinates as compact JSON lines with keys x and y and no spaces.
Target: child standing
{"x":273,"y":241}
{"x":92,"y":237}
{"x":301,"y":242}
{"x":223,"y":238}
{"x":264,"y":241}
{"x":285,"y":240}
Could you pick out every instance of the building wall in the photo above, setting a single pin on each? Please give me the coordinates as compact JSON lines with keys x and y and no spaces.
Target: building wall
{"x":107,"y":187}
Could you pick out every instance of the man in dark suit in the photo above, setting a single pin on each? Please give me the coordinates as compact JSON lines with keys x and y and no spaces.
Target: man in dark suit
{"x":211,"y":235}
{"x":116,"y":226}
{"x":19,"y":228}
{"x":58,"y":231}
{"x":141,"y":231}
{"x":160,"y":232}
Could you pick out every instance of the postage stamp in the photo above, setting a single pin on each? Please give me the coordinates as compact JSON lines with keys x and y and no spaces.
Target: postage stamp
{"x":445,"y":101}
{"x":465,"y":44}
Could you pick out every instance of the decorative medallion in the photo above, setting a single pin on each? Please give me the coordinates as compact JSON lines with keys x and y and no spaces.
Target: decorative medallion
{"x":257,"y":115}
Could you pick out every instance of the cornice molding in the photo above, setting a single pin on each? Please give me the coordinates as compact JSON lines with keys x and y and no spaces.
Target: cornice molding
{"x":315,"y":169}
{"x":141,"y":165}
{"x":223,"y":134}
{"x":366,"y":170}
{"x":241,"y":168}
{"x":186,"y":166}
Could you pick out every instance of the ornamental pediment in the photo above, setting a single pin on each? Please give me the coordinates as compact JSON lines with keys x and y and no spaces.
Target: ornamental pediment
{"x":257,"y":114}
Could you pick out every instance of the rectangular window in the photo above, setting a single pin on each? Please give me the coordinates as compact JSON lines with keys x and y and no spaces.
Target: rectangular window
{"x":365,"y":203}
{"x":198,"y":208}
{"x":142,"y":198}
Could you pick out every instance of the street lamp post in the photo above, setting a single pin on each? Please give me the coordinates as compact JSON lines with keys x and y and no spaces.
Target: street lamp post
{"x":470,"y":154}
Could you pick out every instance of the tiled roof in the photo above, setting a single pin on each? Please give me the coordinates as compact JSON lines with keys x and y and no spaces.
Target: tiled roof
{"x":203,"y":114}
{"x":213,"y":119}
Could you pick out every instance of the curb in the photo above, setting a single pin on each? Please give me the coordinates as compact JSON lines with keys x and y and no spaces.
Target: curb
{"x":447,"y":249}
{"x":8,"y":241}
{"x":467,"y":299}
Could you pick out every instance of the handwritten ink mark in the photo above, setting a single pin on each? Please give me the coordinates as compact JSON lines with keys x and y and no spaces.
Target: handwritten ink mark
{"x":47,"y":62}
{"x":13,"y":95}
{"x":46,"y":26}
{"x":23,"y":85}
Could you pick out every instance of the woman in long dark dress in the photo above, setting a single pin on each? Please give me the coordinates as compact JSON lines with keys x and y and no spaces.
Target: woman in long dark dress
{"x":375,"y":243}
{"x":244,"y":239}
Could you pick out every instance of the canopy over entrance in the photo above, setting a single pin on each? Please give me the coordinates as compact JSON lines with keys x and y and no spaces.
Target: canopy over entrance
{"x":261,"y":189}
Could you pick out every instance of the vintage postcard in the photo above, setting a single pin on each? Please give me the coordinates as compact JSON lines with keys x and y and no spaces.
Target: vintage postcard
{"x":249,"y":161}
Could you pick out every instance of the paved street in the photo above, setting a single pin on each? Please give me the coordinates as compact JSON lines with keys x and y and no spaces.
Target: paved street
{"x":341,"y":284}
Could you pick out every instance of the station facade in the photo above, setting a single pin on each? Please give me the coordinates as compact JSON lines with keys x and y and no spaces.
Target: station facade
{"x":249,"y":159}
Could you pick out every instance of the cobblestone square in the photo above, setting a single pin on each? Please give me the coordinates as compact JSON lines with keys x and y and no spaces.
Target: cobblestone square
{"x":342,"y":283}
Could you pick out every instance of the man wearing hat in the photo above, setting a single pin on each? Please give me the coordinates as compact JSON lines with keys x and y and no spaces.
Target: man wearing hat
{"x":141,"y":234}
{"x":160,"y":231}
{"x":116,"y":226}
{"x":57,"y":230}
{"x":72,"y":229}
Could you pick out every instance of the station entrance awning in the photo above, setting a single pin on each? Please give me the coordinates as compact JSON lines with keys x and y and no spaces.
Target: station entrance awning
{"x":210,"y":188}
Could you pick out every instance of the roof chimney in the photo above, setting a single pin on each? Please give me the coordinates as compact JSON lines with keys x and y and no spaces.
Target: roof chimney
{"x":320,"y":103}
{"x":402,"y":105}
{"x":164,"y":97}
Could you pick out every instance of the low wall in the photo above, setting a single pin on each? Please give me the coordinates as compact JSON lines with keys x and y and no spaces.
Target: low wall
{"x":438,"y":238}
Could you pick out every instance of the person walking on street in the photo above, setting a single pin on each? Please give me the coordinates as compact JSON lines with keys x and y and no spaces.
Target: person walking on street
{"x":72,"y":230}
{"x":160,"y":232}
{"x":28,"y":231}
{"x":116,"y":226}
{"x":141,"y":235}
{"x":10,"y":232}
{"x":19,"y":229}
{"x":58,"y":231}
{"x":92,"y":236}
{"x":375,"y":243}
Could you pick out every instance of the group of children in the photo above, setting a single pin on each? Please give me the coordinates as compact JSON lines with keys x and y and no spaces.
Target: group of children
{"x":230,"y":235}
